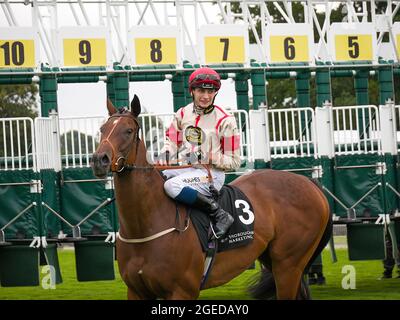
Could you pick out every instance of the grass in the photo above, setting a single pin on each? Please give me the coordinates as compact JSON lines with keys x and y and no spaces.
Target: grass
{"x":367,"y":285}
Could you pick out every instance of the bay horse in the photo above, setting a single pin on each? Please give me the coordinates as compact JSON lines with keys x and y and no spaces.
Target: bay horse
{"x":292,"y":224}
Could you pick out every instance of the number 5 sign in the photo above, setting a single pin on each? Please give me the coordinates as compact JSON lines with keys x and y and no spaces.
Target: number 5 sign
{"x":153,"y":45}
{"x":289,"y":43}
{"x":352,"y":42}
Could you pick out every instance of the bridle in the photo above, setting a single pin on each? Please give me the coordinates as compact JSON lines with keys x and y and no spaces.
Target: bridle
{"x":116,"y":164}
{"x":127,"y":165}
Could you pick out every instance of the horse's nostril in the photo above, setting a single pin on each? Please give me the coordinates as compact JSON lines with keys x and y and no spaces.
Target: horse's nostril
{"x":104,"y":160}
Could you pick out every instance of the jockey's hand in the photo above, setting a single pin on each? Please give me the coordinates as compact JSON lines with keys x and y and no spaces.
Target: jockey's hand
{"x":163,"y":159}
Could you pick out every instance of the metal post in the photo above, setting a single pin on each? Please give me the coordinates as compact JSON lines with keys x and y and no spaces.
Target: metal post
{"x":48,"y":93}
{"x":258,"y":83}
{"x":118,"y":88}
{"x":242,"y":90}
{"x":386,"y":88}
{"x":362,"y":98}
{"x":323,"y":82}
{"x":178,"y":91}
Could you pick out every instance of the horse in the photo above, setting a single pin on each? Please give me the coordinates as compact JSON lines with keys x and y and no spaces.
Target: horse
{"x":160,"y":256}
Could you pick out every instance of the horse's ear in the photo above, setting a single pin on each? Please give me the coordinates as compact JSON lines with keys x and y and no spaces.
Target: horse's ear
{"x":110,"y":107}
{"x":135,"y":106}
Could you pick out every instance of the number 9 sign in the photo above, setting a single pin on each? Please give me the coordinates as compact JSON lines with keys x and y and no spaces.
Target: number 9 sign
{"x":83,"y":47}
{"x":84,"y":52}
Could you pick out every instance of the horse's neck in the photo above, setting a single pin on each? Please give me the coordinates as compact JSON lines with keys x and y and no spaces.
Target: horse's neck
{"x":143,"y":206}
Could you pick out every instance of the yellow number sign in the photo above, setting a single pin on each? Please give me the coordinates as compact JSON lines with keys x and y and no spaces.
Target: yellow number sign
{"x":17,"y":53}
{"x":228,"y":49}
{"x":289,"y":48}
{"x":398,"y":44}
{"x":353,"y":47}
{"x":156,"y":51}
{"x":85,"y":52}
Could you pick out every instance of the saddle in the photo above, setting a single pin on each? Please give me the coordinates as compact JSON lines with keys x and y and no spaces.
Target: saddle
{"x":241,"y":233}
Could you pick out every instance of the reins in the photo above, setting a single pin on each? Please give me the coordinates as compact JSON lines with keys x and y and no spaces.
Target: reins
{"x":131,"y":167}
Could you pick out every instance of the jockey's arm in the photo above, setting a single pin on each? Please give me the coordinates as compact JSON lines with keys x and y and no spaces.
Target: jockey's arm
{"x":173,"y":140}
{"x":228,"y":155}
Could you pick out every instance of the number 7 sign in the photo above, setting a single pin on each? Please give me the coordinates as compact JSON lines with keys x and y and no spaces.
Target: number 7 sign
{"x":223,"y":44}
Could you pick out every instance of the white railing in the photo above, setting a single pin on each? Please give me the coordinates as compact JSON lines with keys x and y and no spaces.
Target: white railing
{"x":356,"y":130}
{"x":79,"y":138}
{"x":154,"y":128}
{"x":291,"y":132}
{"x":243,"y":124}
{"x":397,"y":126}
{"x":17,"y":148}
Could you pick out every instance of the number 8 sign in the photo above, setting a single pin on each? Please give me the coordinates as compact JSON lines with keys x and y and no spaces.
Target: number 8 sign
{"x":152,"y":45}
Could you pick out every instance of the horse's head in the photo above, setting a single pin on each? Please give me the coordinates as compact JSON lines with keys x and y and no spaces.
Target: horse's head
{"x":119,"y":140}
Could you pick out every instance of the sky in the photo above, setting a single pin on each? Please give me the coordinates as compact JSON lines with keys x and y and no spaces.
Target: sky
{"x":90,"y":99}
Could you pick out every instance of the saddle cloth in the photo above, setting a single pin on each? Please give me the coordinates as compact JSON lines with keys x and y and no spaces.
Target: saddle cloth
{"x":241,"y":233}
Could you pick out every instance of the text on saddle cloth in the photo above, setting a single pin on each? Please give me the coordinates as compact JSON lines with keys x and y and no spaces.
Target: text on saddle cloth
{"x":241,"y":233}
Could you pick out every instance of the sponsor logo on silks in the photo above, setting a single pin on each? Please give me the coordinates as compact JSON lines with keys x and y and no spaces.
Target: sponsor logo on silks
{"x":194,"y":135}
{"x":191,"y":180}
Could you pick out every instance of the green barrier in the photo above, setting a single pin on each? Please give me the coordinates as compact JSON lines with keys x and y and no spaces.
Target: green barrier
{"x":356,"y":183}
{"x":51,"y":197}
{"x":19,"y":266}
{"x":366,"y":241}
{"x":94,"y":260}
{"x":79,"y":196}
{"x":16,"y":198}
{"x":303,"y":166}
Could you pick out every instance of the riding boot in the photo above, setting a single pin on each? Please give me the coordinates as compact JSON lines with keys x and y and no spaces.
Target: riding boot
{"x":223,"y":220}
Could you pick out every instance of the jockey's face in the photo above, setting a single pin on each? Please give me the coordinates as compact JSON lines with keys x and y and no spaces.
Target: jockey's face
{"x":203,"y":98}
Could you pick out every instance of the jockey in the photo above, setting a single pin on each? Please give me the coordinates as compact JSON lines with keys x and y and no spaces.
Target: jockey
{"x":202,"y":133}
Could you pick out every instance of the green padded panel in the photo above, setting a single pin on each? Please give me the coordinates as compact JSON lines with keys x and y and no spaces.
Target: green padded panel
{"x":19,"y":266}
{"x":94,"y":260}
{"x":365,"y":241}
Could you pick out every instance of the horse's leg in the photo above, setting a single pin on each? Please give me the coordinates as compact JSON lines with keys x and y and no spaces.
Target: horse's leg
{"x":182,"y":295}
{"x":132,"y":295}
{"x":287,"y":280}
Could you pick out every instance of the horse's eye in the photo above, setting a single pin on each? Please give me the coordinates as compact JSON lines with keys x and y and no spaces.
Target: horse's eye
{"x":129,"y":131}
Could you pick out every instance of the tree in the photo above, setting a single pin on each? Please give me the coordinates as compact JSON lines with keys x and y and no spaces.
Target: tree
{"x":18,"y":101}
{"x":281,"y":93}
